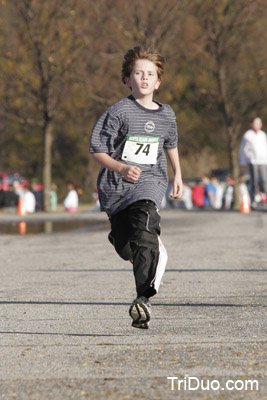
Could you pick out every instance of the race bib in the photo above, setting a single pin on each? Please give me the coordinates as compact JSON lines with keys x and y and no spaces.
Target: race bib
{"x":141,"y":149}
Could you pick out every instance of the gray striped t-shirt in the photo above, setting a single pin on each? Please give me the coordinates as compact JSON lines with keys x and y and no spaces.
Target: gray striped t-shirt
{"x":134,"y":135}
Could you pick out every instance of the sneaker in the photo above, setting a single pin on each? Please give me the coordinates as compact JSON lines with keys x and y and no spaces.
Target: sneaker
{"x":140,"y":325}
{"x":140,"y":312}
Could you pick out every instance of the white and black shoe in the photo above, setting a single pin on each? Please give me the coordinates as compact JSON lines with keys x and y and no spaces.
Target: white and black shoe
{"x":140,"y":312}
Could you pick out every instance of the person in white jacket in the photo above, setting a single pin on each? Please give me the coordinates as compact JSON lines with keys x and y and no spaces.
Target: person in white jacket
{"x":253,"y":153}
{"x":29,"y":200}
{"x":71,"y":201}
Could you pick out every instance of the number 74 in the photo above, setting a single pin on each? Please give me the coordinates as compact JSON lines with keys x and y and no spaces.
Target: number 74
{"x":145,"y":150}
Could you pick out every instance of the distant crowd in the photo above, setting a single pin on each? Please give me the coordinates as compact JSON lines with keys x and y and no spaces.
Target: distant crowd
{"x":209,"y":193}
{"x":32,"y":197}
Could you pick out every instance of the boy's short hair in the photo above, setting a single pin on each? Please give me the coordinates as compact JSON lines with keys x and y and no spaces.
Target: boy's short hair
{"x":141,"y":53}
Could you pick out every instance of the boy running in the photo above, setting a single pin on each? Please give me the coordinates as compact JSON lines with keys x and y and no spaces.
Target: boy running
{"x":129,"y":141}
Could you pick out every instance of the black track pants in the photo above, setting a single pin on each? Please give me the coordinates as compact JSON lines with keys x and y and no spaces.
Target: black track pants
{"x":135,"y":235}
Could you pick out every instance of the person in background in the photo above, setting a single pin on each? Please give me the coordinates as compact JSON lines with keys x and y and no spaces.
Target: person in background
{"x":198,"y":195}
{"x":18,"y":189}
{"x":186,"y":199}
{"x":8,"y":199}
{"x":96,"y":198}
{"x":218,"y":196}
{"x":210,"y":191}
{"x":253,"y":152}
{"x":38,"y":194}
{"x":29,"y":200}
{"x":229,"y":193}
{"x":71,"y":201}
{"x":53,"y":197}
{"x":2,"y":198}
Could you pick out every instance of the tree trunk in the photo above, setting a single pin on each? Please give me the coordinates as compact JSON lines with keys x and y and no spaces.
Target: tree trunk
{"x":234,"y":163}
{"x":231,"y":131}
{"x":47,"y":164}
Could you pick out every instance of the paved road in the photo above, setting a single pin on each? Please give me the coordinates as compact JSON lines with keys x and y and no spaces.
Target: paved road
{"x":65,"y":331}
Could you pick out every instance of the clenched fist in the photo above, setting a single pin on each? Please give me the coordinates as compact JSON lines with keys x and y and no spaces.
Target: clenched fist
{"x":130,"y":172}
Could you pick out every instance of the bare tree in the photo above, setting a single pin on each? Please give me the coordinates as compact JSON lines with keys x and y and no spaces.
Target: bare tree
{"x":60,"y":65}
{"x":227,"y":30}
{"x":42,"y":53}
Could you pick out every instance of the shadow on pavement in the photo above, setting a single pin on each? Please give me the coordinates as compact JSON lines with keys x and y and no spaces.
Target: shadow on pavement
{"x":167,"y":270}
{"x":57,"y":334}
{"x":63,"y":303}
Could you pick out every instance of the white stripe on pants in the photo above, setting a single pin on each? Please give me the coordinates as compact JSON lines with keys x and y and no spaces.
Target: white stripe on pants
{"x":163,"y":258}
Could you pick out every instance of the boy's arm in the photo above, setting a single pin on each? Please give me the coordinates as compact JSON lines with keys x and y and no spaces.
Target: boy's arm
{"x":177,"y":190}
{"x":129,"y":172}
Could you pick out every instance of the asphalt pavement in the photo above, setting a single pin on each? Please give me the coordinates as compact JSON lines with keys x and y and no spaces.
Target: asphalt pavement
{"x":65,"y":332}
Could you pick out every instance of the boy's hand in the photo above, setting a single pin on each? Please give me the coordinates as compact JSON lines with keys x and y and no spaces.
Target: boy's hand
{"x":178,"y":188}
{"x":130,"y":172}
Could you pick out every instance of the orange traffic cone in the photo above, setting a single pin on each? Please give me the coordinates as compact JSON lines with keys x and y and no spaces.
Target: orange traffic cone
{"x":245,"y":204}
{"x":21,"y":210}
{"x":22,"y":228}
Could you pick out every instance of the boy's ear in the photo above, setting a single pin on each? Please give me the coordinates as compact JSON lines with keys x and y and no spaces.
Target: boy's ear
{"x":126,"y":81}
{"x":157,"y":84}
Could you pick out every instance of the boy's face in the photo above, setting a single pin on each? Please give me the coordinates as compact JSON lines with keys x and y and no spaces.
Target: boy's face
{"x":143,"y":79}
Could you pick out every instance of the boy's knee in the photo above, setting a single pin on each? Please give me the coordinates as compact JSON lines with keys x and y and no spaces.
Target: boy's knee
{"x":122,"y":248}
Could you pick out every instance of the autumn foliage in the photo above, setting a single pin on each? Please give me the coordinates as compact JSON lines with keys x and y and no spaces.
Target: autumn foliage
{"x":60,"y":64}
